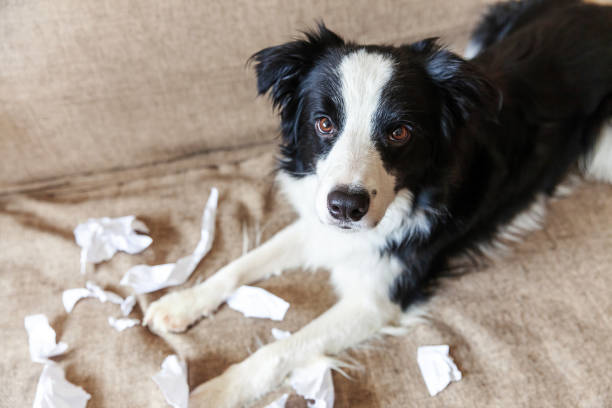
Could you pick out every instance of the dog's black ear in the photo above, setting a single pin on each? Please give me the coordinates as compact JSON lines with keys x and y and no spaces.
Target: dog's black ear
{"x":280,"y":69}
{"x":463,"y":87}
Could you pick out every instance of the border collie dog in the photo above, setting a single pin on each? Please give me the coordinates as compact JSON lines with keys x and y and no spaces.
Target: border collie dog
{"x":399,"y":160}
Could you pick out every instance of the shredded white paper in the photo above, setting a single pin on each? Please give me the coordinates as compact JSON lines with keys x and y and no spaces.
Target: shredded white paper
{"x":53,"y":391}
{"x":70,"y":297}
{"x":145,"y":278}
{"x":101,"y":238}
{"x":257,"y":302}
{"x":279,"y":402}
{"x":314,"y":382}
{"x":41,"y":338}
{"x":127,"y":305}
{"x":437,"y":367}
{"x":279,"y":334}
{"x":172,"y":381}
{"x":122,"y":323}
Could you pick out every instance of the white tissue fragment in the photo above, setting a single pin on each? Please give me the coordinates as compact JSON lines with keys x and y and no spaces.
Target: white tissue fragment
{"x":279,"y":334}
{"x":71,"y":296}
{"x":41,"y":338}
{"x":257,"y":302}
{"x":122,"y":323}
{"x":278,"y":403}
{"x":437,"y":367}
{"x":54,"y":391}
{"x":314,"y":382}
{"x":145,"y":278}
{"x":101,"y":238}
{"x":128,"y":304}
{"x":172,"y":381}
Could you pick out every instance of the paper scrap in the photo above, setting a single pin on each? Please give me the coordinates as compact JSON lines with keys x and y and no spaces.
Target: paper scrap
{"x":257,"y":302}
{"x":437,"y":368}
{"x":145,"y":278}
{"x":172,"y":381}
{"x":101,"y":238}
{"x":279,"y":334}
{"x":127,"y":305}
{"x":314,"y":382}
{"x":278,"y":403}
{"x":122,"y":323}
{"x":53,"y":390}
{"x":41,"y":338}
{"x":71,"y":296}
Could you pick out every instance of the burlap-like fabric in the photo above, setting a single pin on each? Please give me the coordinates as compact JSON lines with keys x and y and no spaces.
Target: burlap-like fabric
{"x":91,"y":85}
{"x":532,"y":330}
{"x":112,"y":108}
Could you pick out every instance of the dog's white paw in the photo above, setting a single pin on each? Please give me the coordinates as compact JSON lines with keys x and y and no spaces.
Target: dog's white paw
{"x":243,"y":383}
{"x":220,"y":392}
{"x":174,"y":312}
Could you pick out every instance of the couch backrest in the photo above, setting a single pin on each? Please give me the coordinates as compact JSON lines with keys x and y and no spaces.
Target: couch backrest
{"x":94,"y":85}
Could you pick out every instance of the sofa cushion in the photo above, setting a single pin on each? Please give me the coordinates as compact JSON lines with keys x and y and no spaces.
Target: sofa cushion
{"x":90,"y":85}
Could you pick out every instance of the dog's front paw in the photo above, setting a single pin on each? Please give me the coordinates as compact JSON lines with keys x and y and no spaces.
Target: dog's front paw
{"x":220,"y":392}
{"x":174,"y":312}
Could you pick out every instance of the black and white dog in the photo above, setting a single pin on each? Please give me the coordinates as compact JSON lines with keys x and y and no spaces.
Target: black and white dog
{"x":400,"y":159}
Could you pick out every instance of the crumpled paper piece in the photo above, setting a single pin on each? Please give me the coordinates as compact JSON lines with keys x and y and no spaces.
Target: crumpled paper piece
{"x":101,"y":238}
{"x":279,"y":334}
{"x":279,"y":402}
{"x":437,"y":367}
{"x":127,"y":305}
{"x":145,"y":278}
{"x":122,"y":323}
{"x":172,"y":381}
{"x":54,"y":391}
{"x":41,"y":338}
{"x":70,"y":297}
{"x":314,"y":382}
{"x":252,"y":301}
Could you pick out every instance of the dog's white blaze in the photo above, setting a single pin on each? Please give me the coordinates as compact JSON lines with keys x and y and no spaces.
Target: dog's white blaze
{"x":599,"y":163}
{"x":354,"y":160}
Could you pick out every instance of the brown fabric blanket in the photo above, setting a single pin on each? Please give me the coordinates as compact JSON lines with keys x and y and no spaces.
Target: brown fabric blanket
{"x":532,"y":330}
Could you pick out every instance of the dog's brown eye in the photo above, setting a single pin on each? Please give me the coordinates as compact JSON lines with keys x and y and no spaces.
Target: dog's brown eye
{"x":324,"y":125}
{"x":399,"y":135}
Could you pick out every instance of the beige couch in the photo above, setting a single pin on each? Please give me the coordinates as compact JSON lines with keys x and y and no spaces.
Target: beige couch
{"x":110,"y":108}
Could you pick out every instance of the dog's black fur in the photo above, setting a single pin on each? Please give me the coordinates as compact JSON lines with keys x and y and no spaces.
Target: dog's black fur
{"x":489,"y":135}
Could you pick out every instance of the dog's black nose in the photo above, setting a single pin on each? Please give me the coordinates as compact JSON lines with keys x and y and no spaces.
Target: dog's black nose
{"x":345,"y":205}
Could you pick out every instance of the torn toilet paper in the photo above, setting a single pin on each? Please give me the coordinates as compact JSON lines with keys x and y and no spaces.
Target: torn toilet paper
{"x":122,"y":323}
{"x":437,"y":367}
{"x":145,"y":278}
{"x":70,"y":297}
{"x":252,"y":301}
{"x":41,"y":338}
{"x":53,"y":390}
{"x":101,"y":238}
{"x":314,"y":382}
{"x":279,"y":334}
{"x":127,"y":305}
{"x":172,"y":381}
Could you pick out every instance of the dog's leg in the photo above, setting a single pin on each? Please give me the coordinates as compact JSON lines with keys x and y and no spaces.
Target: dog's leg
{"x":346,"y":324}
{"x":176,"y":311}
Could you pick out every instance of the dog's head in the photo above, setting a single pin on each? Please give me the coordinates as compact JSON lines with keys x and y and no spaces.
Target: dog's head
{"x":369,"y":123}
